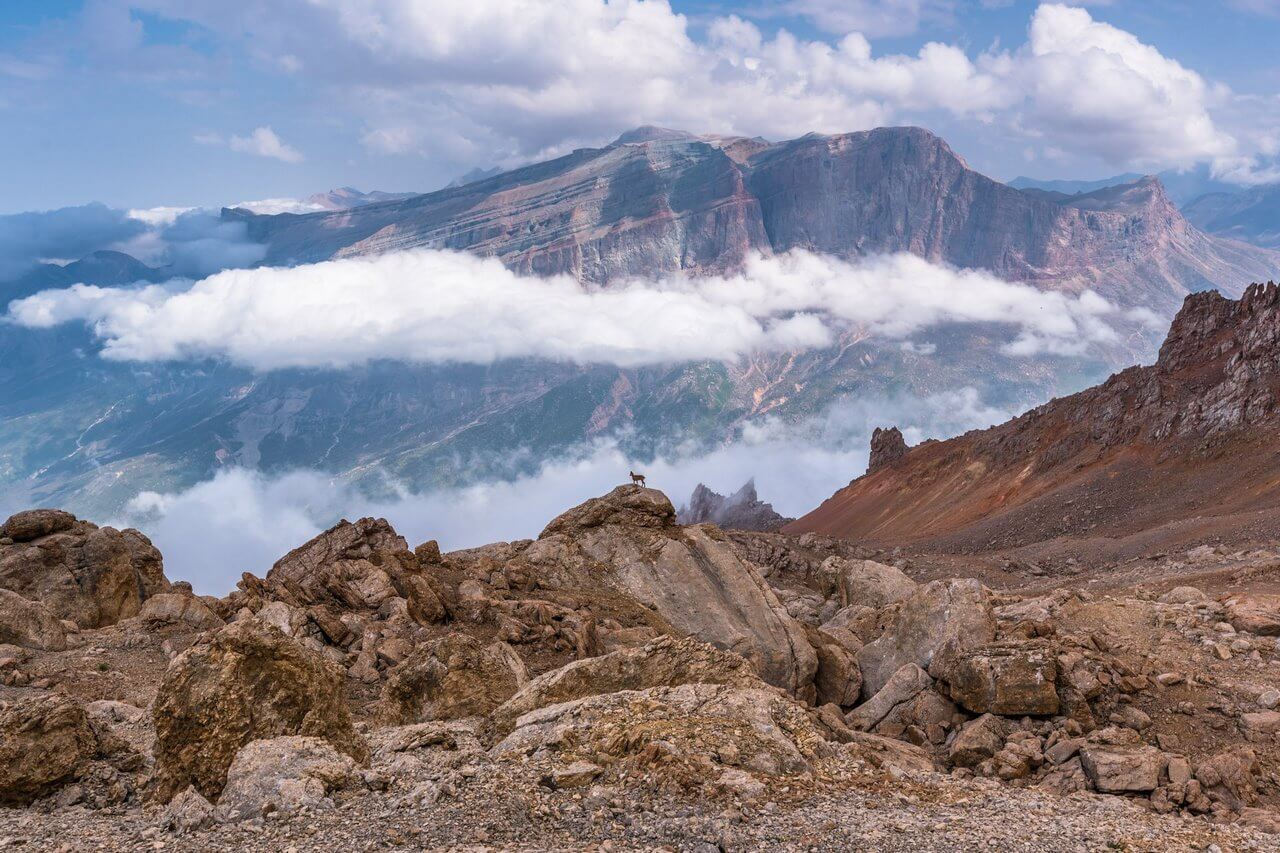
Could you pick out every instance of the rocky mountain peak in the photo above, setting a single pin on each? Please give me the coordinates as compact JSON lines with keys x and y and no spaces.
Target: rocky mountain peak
{"x":742,"y":510}
{"x":651,"y":133}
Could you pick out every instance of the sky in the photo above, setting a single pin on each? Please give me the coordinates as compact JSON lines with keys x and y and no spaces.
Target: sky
{"x":149,"y":103}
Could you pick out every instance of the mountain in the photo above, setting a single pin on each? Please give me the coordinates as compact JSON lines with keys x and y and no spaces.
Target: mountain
{"x":89,"y":433}
{"x":742,"y":510}
{"x":658,"y":201}
{"x":1252,"y":215}
{"x":103,"y":268}
{"x":1069,"y":186}
{"x":1180,"y":450}
{"x":345,"y":198}
{"x":476,"y":174}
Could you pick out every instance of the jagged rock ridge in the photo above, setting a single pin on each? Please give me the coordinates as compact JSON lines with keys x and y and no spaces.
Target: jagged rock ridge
{"x":742,"y":510}
{"x":1146,"y":447}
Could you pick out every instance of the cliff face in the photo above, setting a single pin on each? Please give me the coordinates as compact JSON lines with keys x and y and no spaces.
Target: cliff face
{"x":1151,"y":446}
{"x":656,"y":202}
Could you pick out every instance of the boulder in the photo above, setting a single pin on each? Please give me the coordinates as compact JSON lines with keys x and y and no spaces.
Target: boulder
{"x":951,"y":615}
{"x":664,"y":662}
{"x":350,"y":568}
{"x":29,"y":624}
{"x":1257,"y":614}
{"x":901,"y":687}
{"x":838,"y":679}
{"x":1184,"y":595}
{"x":244,"y":682}
{"x":694,"y":726}
{"x":174,"y":608}
{"x":283,"y":775}
{"x":1012,"y":681}
{"x":1122,"y":768}
{"x":691,"y":577}
{"x":978,"y":741}
{"x":1230,"y":778}
{"x":89,"y":575}
{"x":45,"y":742}
{"x":870,"y":584}
{"x":454,"y":676}
{"x":187,"y":812}
{"x":36,"y":523}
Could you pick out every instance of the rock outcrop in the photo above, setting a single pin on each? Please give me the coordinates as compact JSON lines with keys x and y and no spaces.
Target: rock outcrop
{"x":29,"y":624}
{"x":742,"y":510}
{"x":452,"y":677}
{"x":664,"y":662}
{"x":244,"y":682}
{"x":284,"y":775}
{"x":93,"y":576}
{"x":887,"y":447}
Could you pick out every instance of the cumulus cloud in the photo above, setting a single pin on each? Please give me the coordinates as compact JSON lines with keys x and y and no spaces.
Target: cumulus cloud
{"x":447,"y":307}
{"x":242,"y":520}
{"x":264,"y":142}
{"x":492,"y":80}
{"x":272,"y":206}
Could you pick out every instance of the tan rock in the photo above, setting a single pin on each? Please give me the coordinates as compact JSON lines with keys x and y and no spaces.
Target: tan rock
{"x":1230,"y":777}
{"x":1184,"y":595}
{"x":901,"y":687}
{"x":689,"y":725}
{"x":1006,"y":680}
{"x":1118,"y":769}
{"x":187,"y":812}
{"x":951,"y":615}
{"x":284,"y":775}
{"x":29,"y":624}
{"x":92,"y":576}
{"x":690,"y":576}
{"x":173,"y":608}
{"x":664,"y":662}
{"x":455,"y":676}
{"x":870,"y":584}
{"x":838,"y":679}
{"x":978,"y":741}
{"x":45,"y":742}
{"x":244,"y":682}
{"x":1257,"y":614}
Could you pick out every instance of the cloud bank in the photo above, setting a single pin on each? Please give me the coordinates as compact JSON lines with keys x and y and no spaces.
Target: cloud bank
{"x":440,"y":307}
{"x":243,"y":520}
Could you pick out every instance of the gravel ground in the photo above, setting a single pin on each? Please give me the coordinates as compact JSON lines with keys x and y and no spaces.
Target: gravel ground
{"x":473,"y":803}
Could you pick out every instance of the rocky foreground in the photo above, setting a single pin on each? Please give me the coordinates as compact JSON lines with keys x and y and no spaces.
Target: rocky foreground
{"x":625,"y":682}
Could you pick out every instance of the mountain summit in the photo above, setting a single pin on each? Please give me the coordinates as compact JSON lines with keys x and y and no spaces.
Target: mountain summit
{"x":658,"y":201}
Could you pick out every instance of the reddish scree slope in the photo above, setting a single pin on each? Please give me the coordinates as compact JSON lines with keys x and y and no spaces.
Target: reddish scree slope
{"x":1185,"y":446}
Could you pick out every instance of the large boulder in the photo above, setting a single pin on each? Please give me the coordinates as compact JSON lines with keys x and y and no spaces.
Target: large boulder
{"x":29,"y":624}
{"x":1117,"y":762}
{"x":1257,"y":614}
{"x":838,"y":680}
{"x":45,"y":742}
{"x":173,"y":608}
{"x":454,"y":676}
{"x":1012,"y":681}
{"x":902,"y":686}
{"x":870,"y":584}
{"x":978,"y":741}
{"x":664,"y":662}
{"x":244,"y":682}
{"x":692,"y":577}
{"x":352,"y":567}
{"x":93,"y":576}
{"x":943,"y":616}
{"x":284,"y":775}
{"x":690,"y":725}
{"x":1230,"y":778}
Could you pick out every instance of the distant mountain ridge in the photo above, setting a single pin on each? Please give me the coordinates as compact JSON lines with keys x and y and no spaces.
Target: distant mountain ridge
{"x":103,"y":268}
{"x":660,"y":201}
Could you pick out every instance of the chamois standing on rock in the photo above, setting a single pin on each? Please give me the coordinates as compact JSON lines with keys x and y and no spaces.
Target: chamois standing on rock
{"x":637,"y":479}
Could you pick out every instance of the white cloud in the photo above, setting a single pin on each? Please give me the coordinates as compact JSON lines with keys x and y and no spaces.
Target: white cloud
{"x":504,"y":81}
{"x":264,"y":143}
{"x":272,"y":206}
{"x":447,"y":307}
{"x":243,"y":520}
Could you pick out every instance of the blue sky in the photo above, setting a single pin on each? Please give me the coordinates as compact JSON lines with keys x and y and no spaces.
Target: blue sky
{"x":208,"y":102}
